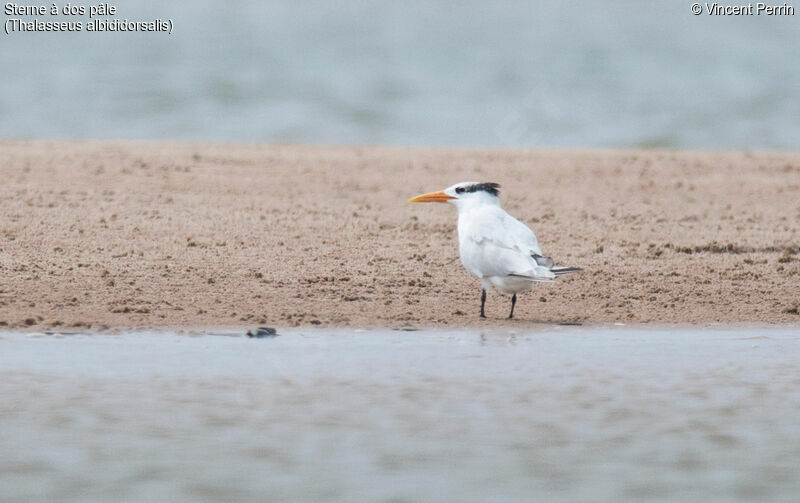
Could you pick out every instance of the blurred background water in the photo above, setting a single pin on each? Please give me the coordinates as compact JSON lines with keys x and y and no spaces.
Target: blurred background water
{"x":572,"y":73}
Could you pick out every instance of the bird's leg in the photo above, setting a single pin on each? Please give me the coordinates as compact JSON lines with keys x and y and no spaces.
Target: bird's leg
{"x":513,"y":301}
{"x":483,"y":302}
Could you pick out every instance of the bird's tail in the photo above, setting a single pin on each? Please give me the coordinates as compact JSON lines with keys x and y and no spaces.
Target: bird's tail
{"x":558,"y":270}
{"x":530,"y":277}
{"x":548,"y":263}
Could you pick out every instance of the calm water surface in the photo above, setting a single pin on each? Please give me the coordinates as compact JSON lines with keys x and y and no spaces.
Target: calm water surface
{"x":574,"y":73}
{"x":557,"y":414}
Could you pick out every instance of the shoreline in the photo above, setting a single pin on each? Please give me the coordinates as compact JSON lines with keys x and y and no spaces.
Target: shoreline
{"x":101,"y":235}
{"x":489,"y":330}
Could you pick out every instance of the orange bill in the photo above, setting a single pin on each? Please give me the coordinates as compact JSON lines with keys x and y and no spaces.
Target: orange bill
{"x":431,"y":197}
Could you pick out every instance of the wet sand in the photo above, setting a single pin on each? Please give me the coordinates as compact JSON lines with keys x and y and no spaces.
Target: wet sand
{"x":558,"y":414}
{"x":135,"y":234}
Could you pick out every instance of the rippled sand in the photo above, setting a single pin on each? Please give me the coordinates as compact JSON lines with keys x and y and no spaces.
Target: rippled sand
{"x":129,"y":234}
{"x":565,"y":414}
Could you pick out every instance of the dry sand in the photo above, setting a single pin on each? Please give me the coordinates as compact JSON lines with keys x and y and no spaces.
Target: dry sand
{"x":135,"y":234}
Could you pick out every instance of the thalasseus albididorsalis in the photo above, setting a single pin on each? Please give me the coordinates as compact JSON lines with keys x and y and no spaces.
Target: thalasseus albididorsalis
{"x":495,"y":247}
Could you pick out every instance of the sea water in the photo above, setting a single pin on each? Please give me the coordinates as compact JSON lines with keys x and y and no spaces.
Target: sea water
{"x":572,"y":73}
{"x":557,"y":414}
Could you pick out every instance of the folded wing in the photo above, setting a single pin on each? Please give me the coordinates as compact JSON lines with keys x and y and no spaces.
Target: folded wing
{"x":497,"y":244}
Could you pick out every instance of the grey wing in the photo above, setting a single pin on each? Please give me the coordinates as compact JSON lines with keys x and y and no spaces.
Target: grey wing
{"x":526,"y":241}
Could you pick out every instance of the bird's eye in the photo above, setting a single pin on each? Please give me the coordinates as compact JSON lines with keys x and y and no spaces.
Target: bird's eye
{"x":460,"y":190}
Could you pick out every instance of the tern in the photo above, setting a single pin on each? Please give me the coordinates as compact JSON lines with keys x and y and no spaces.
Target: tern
{"x":495,"y":247}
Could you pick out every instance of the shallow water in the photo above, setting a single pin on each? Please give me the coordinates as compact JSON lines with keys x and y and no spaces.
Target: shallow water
{"x":558,"y":414}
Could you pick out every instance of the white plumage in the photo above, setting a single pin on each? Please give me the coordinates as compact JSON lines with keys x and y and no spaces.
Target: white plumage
{"x":494,"y":246}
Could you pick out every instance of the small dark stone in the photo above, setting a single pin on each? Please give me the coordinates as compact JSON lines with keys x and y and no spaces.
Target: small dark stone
{"x":30,"y":322}
{"x":262,"y":332}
